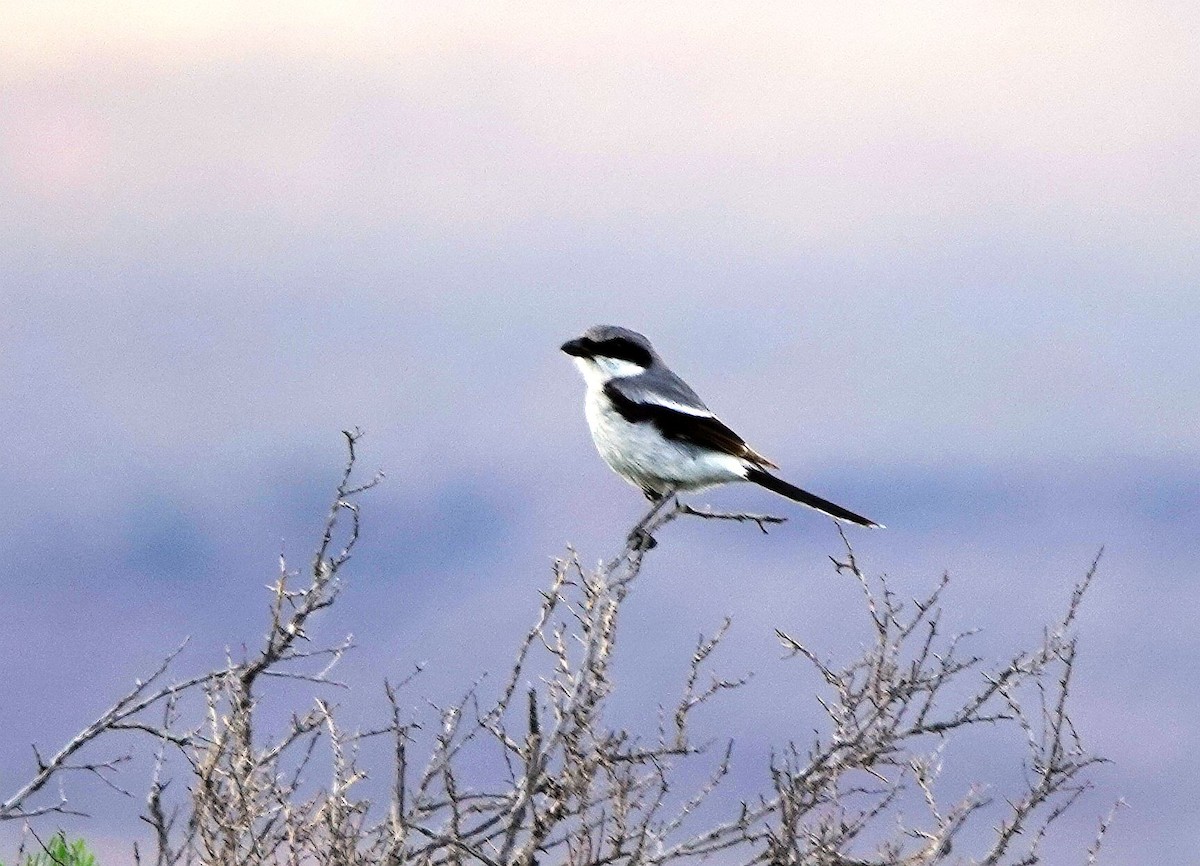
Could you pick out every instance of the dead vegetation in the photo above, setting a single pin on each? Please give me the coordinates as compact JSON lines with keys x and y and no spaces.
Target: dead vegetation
{"x":568,"y":786}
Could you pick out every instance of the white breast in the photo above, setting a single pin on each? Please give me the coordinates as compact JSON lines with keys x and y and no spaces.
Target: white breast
{"x":640,"y":454}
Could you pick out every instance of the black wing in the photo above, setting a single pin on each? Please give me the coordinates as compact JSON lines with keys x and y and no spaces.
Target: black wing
{"x":705,"y":430}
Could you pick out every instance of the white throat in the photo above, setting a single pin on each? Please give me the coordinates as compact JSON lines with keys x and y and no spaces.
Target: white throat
{"x":597,"y":371}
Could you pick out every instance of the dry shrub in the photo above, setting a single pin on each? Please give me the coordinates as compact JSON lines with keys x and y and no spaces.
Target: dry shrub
{"x":570,"y":787}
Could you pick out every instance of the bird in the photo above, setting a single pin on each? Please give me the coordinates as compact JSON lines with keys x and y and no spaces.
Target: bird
{"x":654,"y":431}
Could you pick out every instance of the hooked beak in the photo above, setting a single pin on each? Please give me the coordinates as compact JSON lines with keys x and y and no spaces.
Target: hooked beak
{"x":577,"y":348}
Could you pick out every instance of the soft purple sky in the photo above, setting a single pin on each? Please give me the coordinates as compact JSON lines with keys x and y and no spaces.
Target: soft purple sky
{"x":954,"y":248}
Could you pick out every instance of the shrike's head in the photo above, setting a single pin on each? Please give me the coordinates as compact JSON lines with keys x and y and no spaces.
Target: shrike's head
{"x":606,"y":352}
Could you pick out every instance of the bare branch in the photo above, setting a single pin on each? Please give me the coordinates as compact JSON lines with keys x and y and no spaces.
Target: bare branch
{"x":530,"y":769}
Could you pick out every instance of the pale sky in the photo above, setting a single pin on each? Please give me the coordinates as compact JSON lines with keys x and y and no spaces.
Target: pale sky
{"x":937,"y":259}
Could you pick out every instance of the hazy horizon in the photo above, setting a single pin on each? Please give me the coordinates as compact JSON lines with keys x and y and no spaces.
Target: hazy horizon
{"x":940,"y":265}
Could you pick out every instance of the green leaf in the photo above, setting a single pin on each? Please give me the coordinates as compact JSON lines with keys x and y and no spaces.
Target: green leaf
{"x":61,"y":853}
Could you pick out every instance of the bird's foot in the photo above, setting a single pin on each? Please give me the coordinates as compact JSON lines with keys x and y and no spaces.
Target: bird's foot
{"x":640,"y":539}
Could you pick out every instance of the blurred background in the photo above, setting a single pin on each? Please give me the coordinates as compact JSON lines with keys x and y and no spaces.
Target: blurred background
{"x":940,"y":261}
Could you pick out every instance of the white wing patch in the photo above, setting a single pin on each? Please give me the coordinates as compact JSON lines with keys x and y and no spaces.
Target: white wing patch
{"x":697,"y":411}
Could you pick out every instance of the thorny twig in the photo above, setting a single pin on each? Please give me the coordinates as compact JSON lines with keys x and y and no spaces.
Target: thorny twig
{"x":569,"y":786}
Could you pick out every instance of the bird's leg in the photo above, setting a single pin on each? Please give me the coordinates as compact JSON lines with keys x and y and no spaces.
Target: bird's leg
{"x":638,"y":536}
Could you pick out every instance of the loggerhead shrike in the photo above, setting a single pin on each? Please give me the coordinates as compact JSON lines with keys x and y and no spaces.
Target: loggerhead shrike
{"x":657,"y":434}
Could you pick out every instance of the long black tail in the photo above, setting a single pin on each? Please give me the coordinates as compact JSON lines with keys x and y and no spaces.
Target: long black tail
{"x":778,"y":485}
